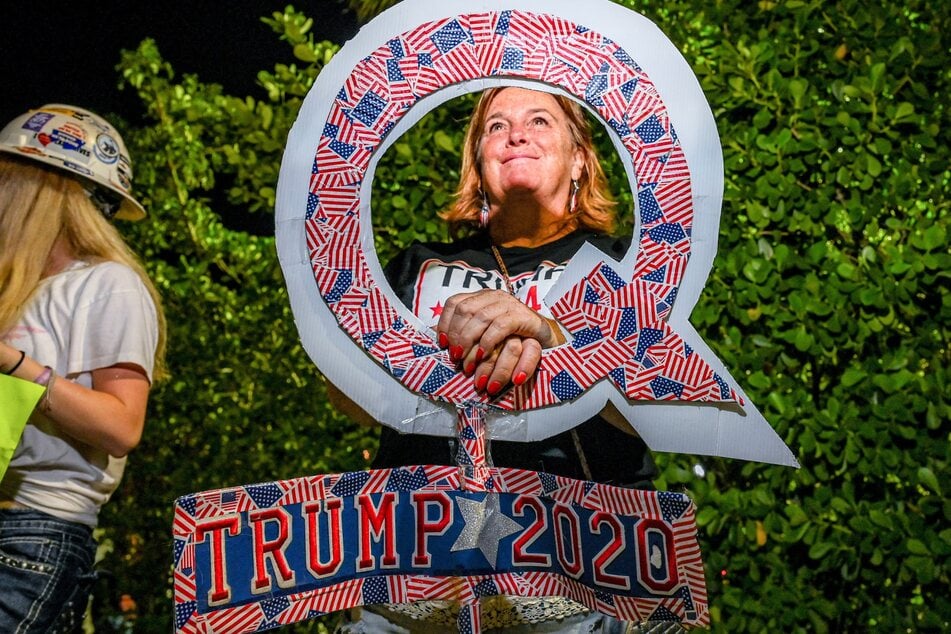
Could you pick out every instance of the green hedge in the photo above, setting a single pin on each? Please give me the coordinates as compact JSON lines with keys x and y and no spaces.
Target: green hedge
{"x":827,"y":301}
{"x":829,"y":294}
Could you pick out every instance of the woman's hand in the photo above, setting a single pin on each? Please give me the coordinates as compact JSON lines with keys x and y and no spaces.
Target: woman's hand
{"x":495,"y":337}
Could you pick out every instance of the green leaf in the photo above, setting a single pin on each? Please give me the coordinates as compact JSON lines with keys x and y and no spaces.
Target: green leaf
{"x":881,"y":519}
{"x":802,"y":339}
{"x":877,"y":75}
{"x":923,"y":567}
{"x":846,"y":271}
{"x":932,"y":238}
{"x":305,"y":53}
{"x":706,"y":516}
{"x":796,"y":515}
{"x":444,"y":141}
{"x":852,"y":376}
{"x":797,"y":88}
{"x":756,"y":270}
{"x":820,"y":549}
{"x":927,"y":478}
{"x":903,"y":111}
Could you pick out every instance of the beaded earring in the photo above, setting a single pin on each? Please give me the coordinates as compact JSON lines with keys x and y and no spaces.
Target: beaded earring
{"x":484,"y":212}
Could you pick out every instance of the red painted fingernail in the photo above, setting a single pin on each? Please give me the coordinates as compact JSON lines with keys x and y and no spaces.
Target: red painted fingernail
{"x":443,"y":340}
{"x":479,"y":354}
{"x":455,"y":353}
{"x":519,"y":378}
{"x":481,"y":381}
{"x":470,"y":368}
{"x":494,"y":387}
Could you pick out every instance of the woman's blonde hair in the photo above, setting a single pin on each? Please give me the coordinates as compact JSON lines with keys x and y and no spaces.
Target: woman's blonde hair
{"x":594,"y":200}
{"x":37,"y":205}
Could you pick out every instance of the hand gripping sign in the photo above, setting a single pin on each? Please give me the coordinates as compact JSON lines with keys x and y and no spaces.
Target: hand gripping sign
{"x":254,"y":557}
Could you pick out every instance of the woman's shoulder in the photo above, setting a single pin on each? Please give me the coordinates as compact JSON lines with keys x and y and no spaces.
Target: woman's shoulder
{"x":96,"y":278}
{"x":609,"y":241}
{"x":461,"y":248}
{"x":614,"y":246}
{"x":473,"y":251}
{"x":476,"y":242}
{"x":112,"y":272}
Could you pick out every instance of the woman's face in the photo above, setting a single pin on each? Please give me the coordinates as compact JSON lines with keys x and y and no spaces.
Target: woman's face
{"x":527,"y":150}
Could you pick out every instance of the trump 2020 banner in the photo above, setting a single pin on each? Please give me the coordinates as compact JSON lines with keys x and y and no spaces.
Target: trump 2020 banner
{"x":256,"y":557}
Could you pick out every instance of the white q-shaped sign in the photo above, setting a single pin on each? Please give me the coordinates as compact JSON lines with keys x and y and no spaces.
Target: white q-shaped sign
{"x":630,"y":341}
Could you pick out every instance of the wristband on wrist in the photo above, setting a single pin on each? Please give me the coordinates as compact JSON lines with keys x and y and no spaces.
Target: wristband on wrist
{"x":46,"y":404}
{"x":17,"y":364}
{"x":44,"y":377}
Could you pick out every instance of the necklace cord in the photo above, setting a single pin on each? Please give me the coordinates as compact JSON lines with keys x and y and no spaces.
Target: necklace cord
{"x":503,"y":270}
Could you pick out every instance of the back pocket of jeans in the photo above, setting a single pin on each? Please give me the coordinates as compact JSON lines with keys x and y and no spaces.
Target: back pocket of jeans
{"x":33,"y":554}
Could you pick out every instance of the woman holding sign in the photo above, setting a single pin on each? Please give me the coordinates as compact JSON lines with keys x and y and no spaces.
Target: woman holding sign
{"x":533,"y":192}
{"x":532,"y":187}
{"x":78,"y":316}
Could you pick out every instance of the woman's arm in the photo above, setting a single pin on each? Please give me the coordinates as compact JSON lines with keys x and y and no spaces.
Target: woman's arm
{"x":110,"y":416}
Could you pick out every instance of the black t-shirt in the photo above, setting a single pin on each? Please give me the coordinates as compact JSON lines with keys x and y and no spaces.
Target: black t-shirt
{"x":424,"y":275}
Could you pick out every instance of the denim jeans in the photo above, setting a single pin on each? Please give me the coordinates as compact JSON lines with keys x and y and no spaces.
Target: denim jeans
{"x":46,"y":572}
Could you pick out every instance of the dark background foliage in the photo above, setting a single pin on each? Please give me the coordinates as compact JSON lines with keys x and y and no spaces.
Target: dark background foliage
{"x":828,"y":301}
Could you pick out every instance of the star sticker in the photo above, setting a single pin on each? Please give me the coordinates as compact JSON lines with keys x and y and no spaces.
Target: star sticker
{"x":485,"y":527}
{"x":437,"y":309}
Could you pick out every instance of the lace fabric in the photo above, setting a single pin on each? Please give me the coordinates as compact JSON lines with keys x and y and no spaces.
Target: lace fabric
{"x":497,"y":611}
{"x":500,"y":615}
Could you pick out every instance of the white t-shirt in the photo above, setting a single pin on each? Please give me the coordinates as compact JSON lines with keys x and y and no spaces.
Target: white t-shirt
{"x":87,"y":317}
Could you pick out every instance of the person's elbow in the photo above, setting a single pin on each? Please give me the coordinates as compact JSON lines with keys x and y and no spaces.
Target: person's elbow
{"x":125,"y":437}
{"x":122,"y":449}
{"x":117,"y":407}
